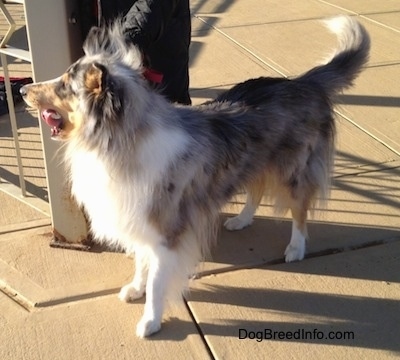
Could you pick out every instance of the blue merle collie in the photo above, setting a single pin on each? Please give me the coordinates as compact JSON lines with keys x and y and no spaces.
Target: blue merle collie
{"x":153,"y":176}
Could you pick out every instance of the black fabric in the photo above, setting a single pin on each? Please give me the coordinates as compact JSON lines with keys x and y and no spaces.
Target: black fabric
{"x":160,"y":28}
{"x":16,"y":85}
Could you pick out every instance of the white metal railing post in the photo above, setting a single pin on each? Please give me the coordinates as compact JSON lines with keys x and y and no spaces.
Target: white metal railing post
{"x":4,"y":51}
{"x":54,"y":43}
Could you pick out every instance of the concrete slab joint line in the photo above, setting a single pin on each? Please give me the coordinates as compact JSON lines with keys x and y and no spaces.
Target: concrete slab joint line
{"x":369,"y":133}
{"x":363,"y":16}
{"x":274,"y":68}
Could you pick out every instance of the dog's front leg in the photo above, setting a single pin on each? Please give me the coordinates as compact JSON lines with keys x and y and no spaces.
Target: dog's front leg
{"x":162,"y":262}
{"x":135,"y":289}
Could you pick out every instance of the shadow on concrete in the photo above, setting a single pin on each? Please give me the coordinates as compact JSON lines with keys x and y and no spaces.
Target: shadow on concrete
{"x":367,"y":100}
{"x":357,"y":316}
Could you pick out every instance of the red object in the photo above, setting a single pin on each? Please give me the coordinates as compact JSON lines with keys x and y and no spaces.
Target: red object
{"x":25,"y":80}
{"x":153,"y":76}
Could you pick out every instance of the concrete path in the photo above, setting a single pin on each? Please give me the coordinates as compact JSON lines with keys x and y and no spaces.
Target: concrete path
{"x":341,"y":302}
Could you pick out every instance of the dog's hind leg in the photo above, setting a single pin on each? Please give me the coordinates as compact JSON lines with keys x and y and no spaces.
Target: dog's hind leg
{"x":296,"y":249}
{"x":135,"y":289}
{"x":255,"y":192}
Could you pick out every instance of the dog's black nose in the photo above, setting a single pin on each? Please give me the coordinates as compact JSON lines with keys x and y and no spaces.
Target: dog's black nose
{"x":22,"y":91}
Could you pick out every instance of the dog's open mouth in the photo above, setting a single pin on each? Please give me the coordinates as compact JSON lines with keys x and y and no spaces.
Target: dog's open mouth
{"x":54,"y":120}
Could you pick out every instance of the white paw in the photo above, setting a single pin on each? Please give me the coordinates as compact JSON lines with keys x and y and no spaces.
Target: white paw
{"x":147,"y":327}
{"x":294,"y":253}
{"x":130,"y":293}
{"x":237,"y":223}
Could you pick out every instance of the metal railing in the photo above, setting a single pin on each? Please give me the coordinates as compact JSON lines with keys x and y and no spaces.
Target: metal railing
{"x":67,"y":220}
{"x":7,"y":50}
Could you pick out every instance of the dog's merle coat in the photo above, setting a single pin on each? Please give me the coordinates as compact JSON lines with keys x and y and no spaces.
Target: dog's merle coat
{"x":153,"y":176}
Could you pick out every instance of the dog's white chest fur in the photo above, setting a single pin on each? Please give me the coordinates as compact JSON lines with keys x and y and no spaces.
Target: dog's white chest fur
{"x":118,"y":202}
{"x":95,"y":189}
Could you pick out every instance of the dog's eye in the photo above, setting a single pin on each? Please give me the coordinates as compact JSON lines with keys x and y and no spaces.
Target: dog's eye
{"x":62,"y":85}
{"x":64,"y":90}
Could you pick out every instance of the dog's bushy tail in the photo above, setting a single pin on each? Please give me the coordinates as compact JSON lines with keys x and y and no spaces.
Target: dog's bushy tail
{"x":350,"y":57}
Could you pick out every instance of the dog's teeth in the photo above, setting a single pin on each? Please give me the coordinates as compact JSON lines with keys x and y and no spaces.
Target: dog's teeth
{"x":56,"y":116}
{"x":55,"y":131}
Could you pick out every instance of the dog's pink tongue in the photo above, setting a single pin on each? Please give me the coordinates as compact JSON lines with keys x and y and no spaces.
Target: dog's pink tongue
{"x":52,"y":118}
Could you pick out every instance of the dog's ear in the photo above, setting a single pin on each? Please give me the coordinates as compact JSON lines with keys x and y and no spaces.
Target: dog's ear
{"x":96,"y":78}
{"x":105,"y":96}
{"x":96,"y":40}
